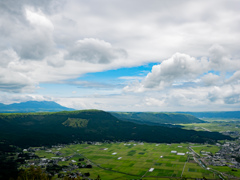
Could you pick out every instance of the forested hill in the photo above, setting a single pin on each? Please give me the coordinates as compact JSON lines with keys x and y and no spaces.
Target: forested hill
{"x":157,"y":117}
{"x":33,"y":106}
{"x":36,"y":129}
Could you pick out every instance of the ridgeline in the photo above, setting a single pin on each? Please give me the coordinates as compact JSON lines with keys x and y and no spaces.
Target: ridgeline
{"x":157,"y":118}
{"x":33,"y":106}
{"x":48,"y":128}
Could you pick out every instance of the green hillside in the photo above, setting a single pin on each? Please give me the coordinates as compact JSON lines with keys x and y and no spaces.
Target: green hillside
{"x":157,"y":117}
{"x":217,"y":114}
{"x":36,"y":129}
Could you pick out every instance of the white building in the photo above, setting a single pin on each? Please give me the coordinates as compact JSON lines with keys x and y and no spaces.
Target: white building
{"x":151,"y":169}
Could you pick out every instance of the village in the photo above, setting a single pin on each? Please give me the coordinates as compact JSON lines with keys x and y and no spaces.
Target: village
{"x":29,"y":158}
{"x":227,"y":156}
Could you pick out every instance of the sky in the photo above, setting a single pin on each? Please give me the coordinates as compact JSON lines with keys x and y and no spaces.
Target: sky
{"x":115,"y":55}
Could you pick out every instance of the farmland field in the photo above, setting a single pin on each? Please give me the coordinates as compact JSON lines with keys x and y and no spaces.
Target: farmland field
{"x":131,"y":160}
{"x":217,"y":125}
{"x":207,"y":148}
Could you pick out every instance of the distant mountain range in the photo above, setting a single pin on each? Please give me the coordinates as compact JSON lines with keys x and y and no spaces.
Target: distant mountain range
{"x":48,"y":128}
{"x":33,"y":106}
{"x":152,"y":118}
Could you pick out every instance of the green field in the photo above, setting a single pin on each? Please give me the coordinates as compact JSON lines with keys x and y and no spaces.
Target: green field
{"x":135,"y":162}
{"x":206,"y":149}
{"x":217,"y":125}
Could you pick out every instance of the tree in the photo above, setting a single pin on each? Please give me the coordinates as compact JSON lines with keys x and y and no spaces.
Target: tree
{"x":33,"y":173}
{"x":98,"y":178}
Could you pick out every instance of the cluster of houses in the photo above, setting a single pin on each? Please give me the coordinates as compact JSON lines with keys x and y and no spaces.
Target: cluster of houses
{"x":28,"y":158}
{"x":229,"y":155}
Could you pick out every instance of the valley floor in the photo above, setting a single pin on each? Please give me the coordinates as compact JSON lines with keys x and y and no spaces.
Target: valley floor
{"x":130,"y":160}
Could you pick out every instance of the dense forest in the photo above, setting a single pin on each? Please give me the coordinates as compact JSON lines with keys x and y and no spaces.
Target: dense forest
{"x":36,"y":129}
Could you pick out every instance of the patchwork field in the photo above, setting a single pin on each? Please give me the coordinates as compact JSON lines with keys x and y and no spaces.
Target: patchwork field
{"x":217,"y":125}
{"x":203,"y":149}
{"x":132,"y":160}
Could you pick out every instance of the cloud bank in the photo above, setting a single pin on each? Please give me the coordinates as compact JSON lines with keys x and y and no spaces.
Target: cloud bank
{"x":47,"y":42}
{"x":186,"y":81}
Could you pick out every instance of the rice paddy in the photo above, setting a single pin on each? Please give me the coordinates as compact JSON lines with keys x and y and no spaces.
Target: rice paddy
{"x":132,"y":160}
